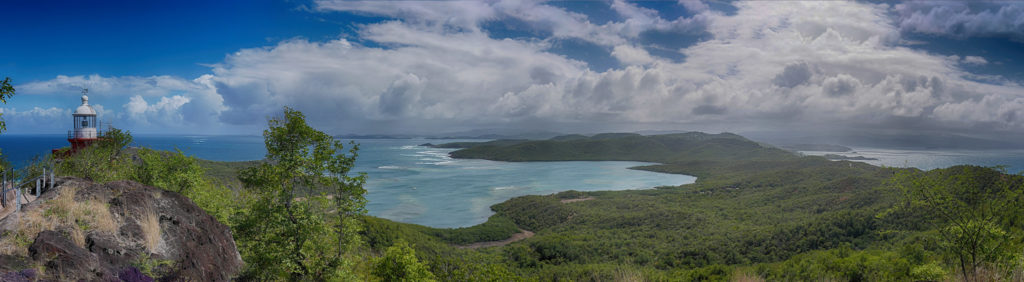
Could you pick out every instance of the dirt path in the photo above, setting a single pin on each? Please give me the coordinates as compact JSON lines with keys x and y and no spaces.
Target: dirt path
{"x":566,"y":201}
{"x":523,"y":234}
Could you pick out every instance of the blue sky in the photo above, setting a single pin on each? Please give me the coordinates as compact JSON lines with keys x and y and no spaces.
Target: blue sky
{"x":371,"y":67}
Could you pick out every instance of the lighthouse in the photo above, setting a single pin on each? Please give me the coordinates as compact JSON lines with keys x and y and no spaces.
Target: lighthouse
{"x":85,"y":132}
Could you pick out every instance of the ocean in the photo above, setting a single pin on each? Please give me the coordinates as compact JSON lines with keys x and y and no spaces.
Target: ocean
{"x":407,"y":182}
{"x":932,"y":159}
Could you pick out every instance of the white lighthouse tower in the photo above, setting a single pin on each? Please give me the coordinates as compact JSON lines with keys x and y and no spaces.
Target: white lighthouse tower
{"x":85,"y":131}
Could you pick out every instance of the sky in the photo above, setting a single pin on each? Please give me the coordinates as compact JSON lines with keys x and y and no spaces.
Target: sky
{"x":432,"y":67}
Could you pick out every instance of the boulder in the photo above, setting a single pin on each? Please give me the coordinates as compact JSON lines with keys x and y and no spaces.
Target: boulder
{"x":63,"y":258}
{"x":161,"y":232}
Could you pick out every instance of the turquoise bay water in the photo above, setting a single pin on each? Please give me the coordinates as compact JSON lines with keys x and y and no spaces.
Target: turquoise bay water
{"x":406,"y":182}
{"x":415,"y":184}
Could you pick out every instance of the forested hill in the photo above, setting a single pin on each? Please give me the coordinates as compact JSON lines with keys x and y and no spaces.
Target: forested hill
{"x":669,"y":148}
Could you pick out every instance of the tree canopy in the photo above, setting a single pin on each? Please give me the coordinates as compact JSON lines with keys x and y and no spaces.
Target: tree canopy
{"x":305,"y":214}
{"x":976,"y":210}
{"x":6,"y":92}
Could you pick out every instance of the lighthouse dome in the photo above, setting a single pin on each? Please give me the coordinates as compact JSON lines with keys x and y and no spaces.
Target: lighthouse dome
{"x":85,"y":109}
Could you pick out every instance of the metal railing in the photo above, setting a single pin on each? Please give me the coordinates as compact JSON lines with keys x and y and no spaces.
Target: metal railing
{"x":73,"y":134}
{"x":43,"y":182}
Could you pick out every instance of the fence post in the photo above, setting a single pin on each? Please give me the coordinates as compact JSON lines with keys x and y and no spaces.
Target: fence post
{"x":17,"y":200}
{"x":3,"y":188}
{"x":43,"y":183}
{"x":39,"y":184}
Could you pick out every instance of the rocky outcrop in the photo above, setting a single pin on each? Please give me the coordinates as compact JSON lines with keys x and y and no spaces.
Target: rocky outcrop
{"x":89,"y":231}
{"x":60,"y":255}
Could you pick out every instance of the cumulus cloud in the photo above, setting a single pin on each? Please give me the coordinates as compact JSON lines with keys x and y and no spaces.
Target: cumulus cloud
{"x":694,"y":5}
{"x":430,"y":76}
{"x":428,"y":72}
{"x":963,"y":19}
{"x":630,"y":55}
{"x":164,"y":112}
{"x":840,"y":84}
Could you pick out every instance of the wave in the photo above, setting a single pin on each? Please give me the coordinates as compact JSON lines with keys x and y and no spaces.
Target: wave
{"x":390,"y":167}
{"x":511,"y":187}
{"x":434,"y":162}
{"x":433,"y":154}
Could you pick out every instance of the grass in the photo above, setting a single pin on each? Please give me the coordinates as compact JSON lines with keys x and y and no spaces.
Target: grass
{"x":75,"y":218}
{"x":152,"y":267}
{"x":150,"y":224}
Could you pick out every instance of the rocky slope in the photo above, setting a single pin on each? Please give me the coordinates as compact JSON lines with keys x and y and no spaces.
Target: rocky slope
{"x":121,"y":230}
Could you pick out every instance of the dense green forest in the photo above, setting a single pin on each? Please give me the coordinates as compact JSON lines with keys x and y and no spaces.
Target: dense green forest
{"x":755,"y":213}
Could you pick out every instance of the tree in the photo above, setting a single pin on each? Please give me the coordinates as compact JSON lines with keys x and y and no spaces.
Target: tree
{"x":102,"y":161}
{"x":399,"y":263}
{"x":975,"y":209}
{"x":304,"y":217}
{"x":6,"y":92}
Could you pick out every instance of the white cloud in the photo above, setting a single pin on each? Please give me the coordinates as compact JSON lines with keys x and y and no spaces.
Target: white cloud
{"x":469,"y":15}
{"x":695,"y":6}
{"x":108,"y":86}
{"x":464,"y":14}
{"x":631,"y":55}
{"x":962,"y":19}
{"x":974,"y":60}
{"x":430,"y":76}
{"x":804,"y":63}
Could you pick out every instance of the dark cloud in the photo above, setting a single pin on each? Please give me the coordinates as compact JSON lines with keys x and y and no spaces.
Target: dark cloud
{"x":793,"y":75}
{"x":245,"y":103}
{"x":708,"y":110}
{"x":840,"y":85}
{"x":963,"y":19}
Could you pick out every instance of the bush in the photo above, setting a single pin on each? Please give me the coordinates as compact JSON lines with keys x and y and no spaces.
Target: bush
{"x":399,"y":263}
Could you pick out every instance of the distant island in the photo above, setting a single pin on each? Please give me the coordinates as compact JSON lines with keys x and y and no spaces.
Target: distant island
{"x":817,"y":147}
{"x":481,"y":134}
{"x":836,"y":157}
{"x":621,"y":147}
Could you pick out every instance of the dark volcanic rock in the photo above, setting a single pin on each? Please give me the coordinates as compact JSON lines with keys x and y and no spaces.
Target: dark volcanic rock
{"x":9,"y":263}
{"x":151,"y":226}
{"x":60,"y":255}
{"x":27,"y":275}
